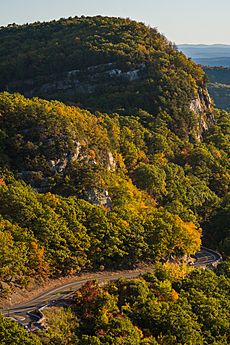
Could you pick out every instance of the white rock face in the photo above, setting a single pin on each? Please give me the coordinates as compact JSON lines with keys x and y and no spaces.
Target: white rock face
{"x":99,"y":197}
{"x":60,"y":164}
{"x":84,"y":81}
{"x":196,"y":105}
{"x":133,"y":75}
{"x":115,"y":73}
{"x":202,"y":108}
{"x":111,"y":162}
{"x":77,"y":151}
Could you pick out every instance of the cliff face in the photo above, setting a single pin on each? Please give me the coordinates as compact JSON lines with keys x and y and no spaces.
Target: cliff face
{"x":202,"y":107}
{"x":90,"y":83}
{"x":109,"y":65}
{"x":60,"y":166}
{"x":75,"y":84}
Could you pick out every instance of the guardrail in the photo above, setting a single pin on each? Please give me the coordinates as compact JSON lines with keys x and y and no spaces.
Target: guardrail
{"x":213,"y":252}
{"x":204,"y":261}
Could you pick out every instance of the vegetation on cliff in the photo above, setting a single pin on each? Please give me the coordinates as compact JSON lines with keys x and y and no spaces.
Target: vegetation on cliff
{"x":150,"y":189}
{"x":83,"y":189}
{"x":105,"y":64}
{"x":127,"y":169}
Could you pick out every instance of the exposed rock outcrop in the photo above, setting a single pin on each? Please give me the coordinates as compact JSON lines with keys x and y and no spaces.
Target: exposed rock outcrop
{"x":111,"y":162}
{"x":100,"y":197}
{"x":202,"y":107}
{"x":79,"y":152}
{"x":59,"y":165}
{"x":85,"y":81}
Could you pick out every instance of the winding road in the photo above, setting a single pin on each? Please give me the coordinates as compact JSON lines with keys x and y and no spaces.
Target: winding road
{"x":22,"y":312}
{"x":206,"y":257}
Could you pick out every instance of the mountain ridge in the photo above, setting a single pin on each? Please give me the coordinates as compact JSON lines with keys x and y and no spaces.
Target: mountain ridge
{"x":131,"y":167}
{"x":151,"y":144}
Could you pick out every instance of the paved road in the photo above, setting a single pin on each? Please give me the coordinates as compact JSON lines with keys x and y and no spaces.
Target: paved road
{"x":20,"y":312}
{"x":206,"y":257}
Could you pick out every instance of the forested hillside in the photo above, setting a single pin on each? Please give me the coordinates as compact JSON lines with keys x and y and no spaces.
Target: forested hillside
{"x":114,"y":195}
{"x":105,"y":64}
{"x":165,"y":308}
{"x":158,"y":165}
{"x":125,"y":161}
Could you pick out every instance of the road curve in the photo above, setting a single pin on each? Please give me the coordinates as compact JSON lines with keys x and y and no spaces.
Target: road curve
{"x":66,"y":290}
{"x":204,"y":258}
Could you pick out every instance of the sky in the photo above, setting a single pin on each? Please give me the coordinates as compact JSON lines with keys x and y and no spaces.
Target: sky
{"x":181,"y":21}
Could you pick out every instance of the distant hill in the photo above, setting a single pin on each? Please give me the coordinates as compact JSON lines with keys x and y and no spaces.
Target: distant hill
{"x":208,"y":55}
{"x":219,"y":85}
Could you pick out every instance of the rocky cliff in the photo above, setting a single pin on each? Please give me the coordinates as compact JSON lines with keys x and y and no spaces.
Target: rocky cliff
{"x":202,"y":107}
{"x":106,"y":64}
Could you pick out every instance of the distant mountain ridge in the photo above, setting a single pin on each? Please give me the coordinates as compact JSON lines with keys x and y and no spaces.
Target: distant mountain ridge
{"x":209,"y":55}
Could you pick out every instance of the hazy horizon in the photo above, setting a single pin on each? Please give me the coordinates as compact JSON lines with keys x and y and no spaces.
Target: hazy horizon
{"x":203,"y":44}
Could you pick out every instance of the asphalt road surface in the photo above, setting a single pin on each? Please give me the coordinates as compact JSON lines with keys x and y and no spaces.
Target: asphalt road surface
{"x":21,"y":312}
{"x":206,"y":257}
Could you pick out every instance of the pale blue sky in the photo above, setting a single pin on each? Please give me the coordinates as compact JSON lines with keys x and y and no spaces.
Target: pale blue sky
{"x":182,"y":21}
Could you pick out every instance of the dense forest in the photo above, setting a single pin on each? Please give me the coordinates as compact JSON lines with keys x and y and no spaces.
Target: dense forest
{"x":169,"y":307}
{"x":112,"y":154}
{"x":103,"y":64}
{"x":119,"y":192}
